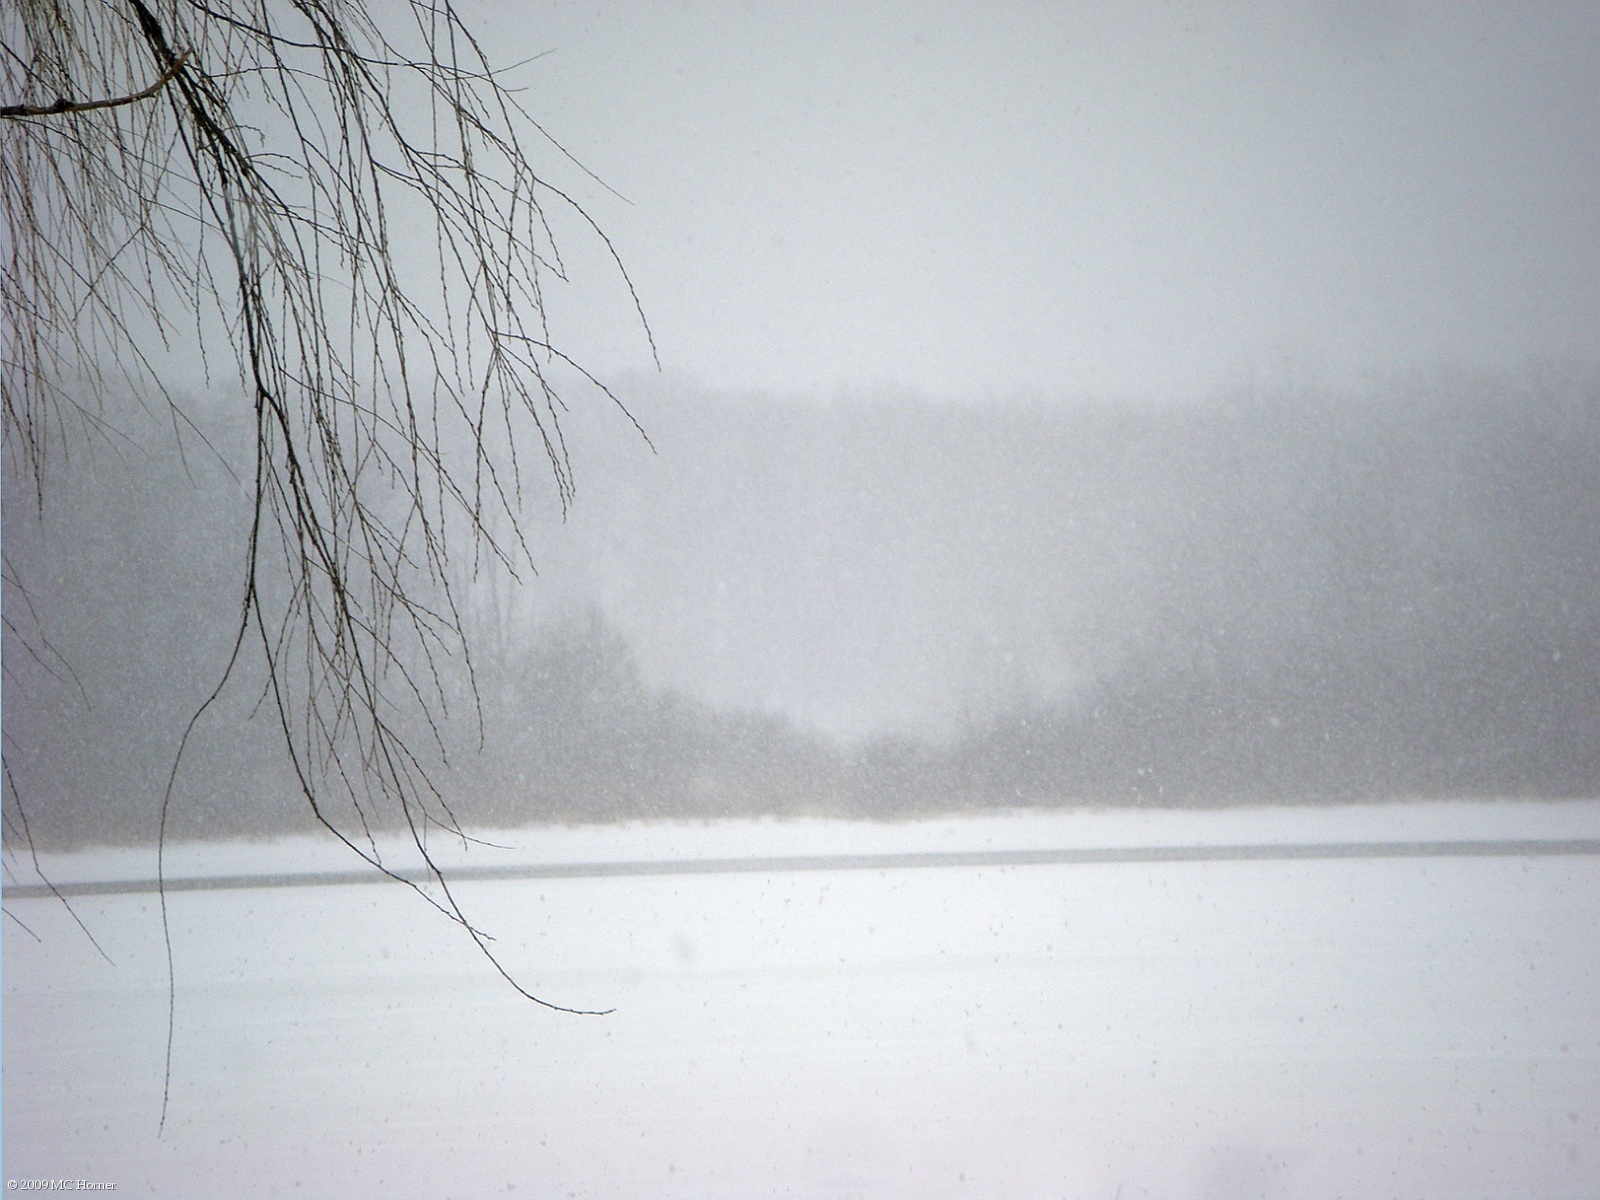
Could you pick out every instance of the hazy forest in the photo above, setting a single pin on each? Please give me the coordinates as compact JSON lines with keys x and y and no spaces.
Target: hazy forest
{"x":884,"y":606}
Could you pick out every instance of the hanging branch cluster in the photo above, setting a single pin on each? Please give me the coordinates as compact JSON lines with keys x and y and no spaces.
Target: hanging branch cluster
{"x":233,"y":173}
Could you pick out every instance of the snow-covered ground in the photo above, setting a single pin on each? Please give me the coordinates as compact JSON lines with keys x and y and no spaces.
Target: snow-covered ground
{"x":1414,"y":1027}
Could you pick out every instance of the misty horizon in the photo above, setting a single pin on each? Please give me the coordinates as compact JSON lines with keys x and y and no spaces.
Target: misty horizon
{"x":891,"y":605}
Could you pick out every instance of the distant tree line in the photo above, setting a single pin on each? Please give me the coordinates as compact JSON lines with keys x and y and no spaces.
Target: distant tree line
{"x":1418,"y":614}
{"x":1394,"y":595}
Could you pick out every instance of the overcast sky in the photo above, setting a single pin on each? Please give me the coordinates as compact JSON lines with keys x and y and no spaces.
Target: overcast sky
{"x":1150,"y":200}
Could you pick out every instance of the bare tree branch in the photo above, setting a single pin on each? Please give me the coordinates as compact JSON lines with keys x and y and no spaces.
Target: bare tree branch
{"x":245,"y":206}
{"x":64,"y":105}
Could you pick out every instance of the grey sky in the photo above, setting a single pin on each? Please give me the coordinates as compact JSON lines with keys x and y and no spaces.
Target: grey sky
{"x":1144,"y":200}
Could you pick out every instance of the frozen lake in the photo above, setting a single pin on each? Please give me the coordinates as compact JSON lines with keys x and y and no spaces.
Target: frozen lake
{"x":1301,"y":1027}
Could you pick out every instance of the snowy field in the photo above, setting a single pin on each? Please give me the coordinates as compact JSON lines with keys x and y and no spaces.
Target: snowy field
{"x":1361,"y":1026}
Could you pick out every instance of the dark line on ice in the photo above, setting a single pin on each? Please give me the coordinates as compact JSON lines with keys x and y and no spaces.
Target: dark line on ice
{"x":914,"y":860}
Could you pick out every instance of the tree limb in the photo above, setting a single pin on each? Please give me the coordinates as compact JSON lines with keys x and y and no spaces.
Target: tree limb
{"x":62,"y":105}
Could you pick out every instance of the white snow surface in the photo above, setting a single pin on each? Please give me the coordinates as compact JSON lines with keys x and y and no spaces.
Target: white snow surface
{"x":1415,"y":1027}
{"x":687,"y":840}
